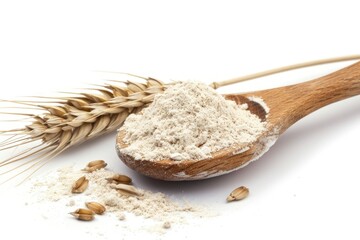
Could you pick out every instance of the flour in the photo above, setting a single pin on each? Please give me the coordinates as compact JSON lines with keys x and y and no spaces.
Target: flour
{"x":56,"y":188}
{"x":189,"y":120}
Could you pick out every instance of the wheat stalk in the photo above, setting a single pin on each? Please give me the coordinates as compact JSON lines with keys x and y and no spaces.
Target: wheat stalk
{"x":67,"y":121}
{"x":64,"y":122}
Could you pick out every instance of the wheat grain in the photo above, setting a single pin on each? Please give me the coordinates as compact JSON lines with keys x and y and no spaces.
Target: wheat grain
{"x":95,"y":207}
{"x":80,"y":185}
{"x":238,"y":194}
{"x":64,"y":122}
{"x":95,"y":165}
{"x":118,"y":178}
{"x":126,"y":189}
{"x":83,"y":214}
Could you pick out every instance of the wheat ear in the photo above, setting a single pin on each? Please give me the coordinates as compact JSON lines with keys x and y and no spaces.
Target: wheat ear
{"x":64,"y":122}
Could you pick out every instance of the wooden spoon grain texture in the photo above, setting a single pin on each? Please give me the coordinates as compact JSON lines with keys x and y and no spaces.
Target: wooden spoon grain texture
{"x":287,"y":105}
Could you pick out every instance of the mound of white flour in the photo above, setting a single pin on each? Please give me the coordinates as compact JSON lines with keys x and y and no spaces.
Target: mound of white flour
{"x":190,"y":120}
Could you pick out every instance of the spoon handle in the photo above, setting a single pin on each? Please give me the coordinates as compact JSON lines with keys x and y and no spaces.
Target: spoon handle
{"x":291,"y":103}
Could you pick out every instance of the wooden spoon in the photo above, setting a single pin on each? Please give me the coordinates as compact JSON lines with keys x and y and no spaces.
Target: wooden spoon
{"x":286,"y":106}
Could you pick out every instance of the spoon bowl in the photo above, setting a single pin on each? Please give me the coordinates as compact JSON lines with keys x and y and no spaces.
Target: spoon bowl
{"x":279,"y":107}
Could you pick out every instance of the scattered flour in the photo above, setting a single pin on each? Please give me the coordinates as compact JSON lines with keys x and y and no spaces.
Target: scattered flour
{"x":154,"y":206}
{"x":189,"y":120}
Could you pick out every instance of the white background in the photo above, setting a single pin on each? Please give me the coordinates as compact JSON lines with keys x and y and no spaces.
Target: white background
{"x":306,"y":186}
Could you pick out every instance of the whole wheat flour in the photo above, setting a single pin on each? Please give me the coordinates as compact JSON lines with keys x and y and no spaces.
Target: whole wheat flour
{"x":189,"y":120}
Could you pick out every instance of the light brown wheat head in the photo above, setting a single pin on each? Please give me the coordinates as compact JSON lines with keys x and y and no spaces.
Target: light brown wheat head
{"x":60,"y":123}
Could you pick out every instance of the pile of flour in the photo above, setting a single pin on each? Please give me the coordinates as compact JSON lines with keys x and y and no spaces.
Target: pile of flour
{"x":156,"y":206}
{"x":190,"y":120}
